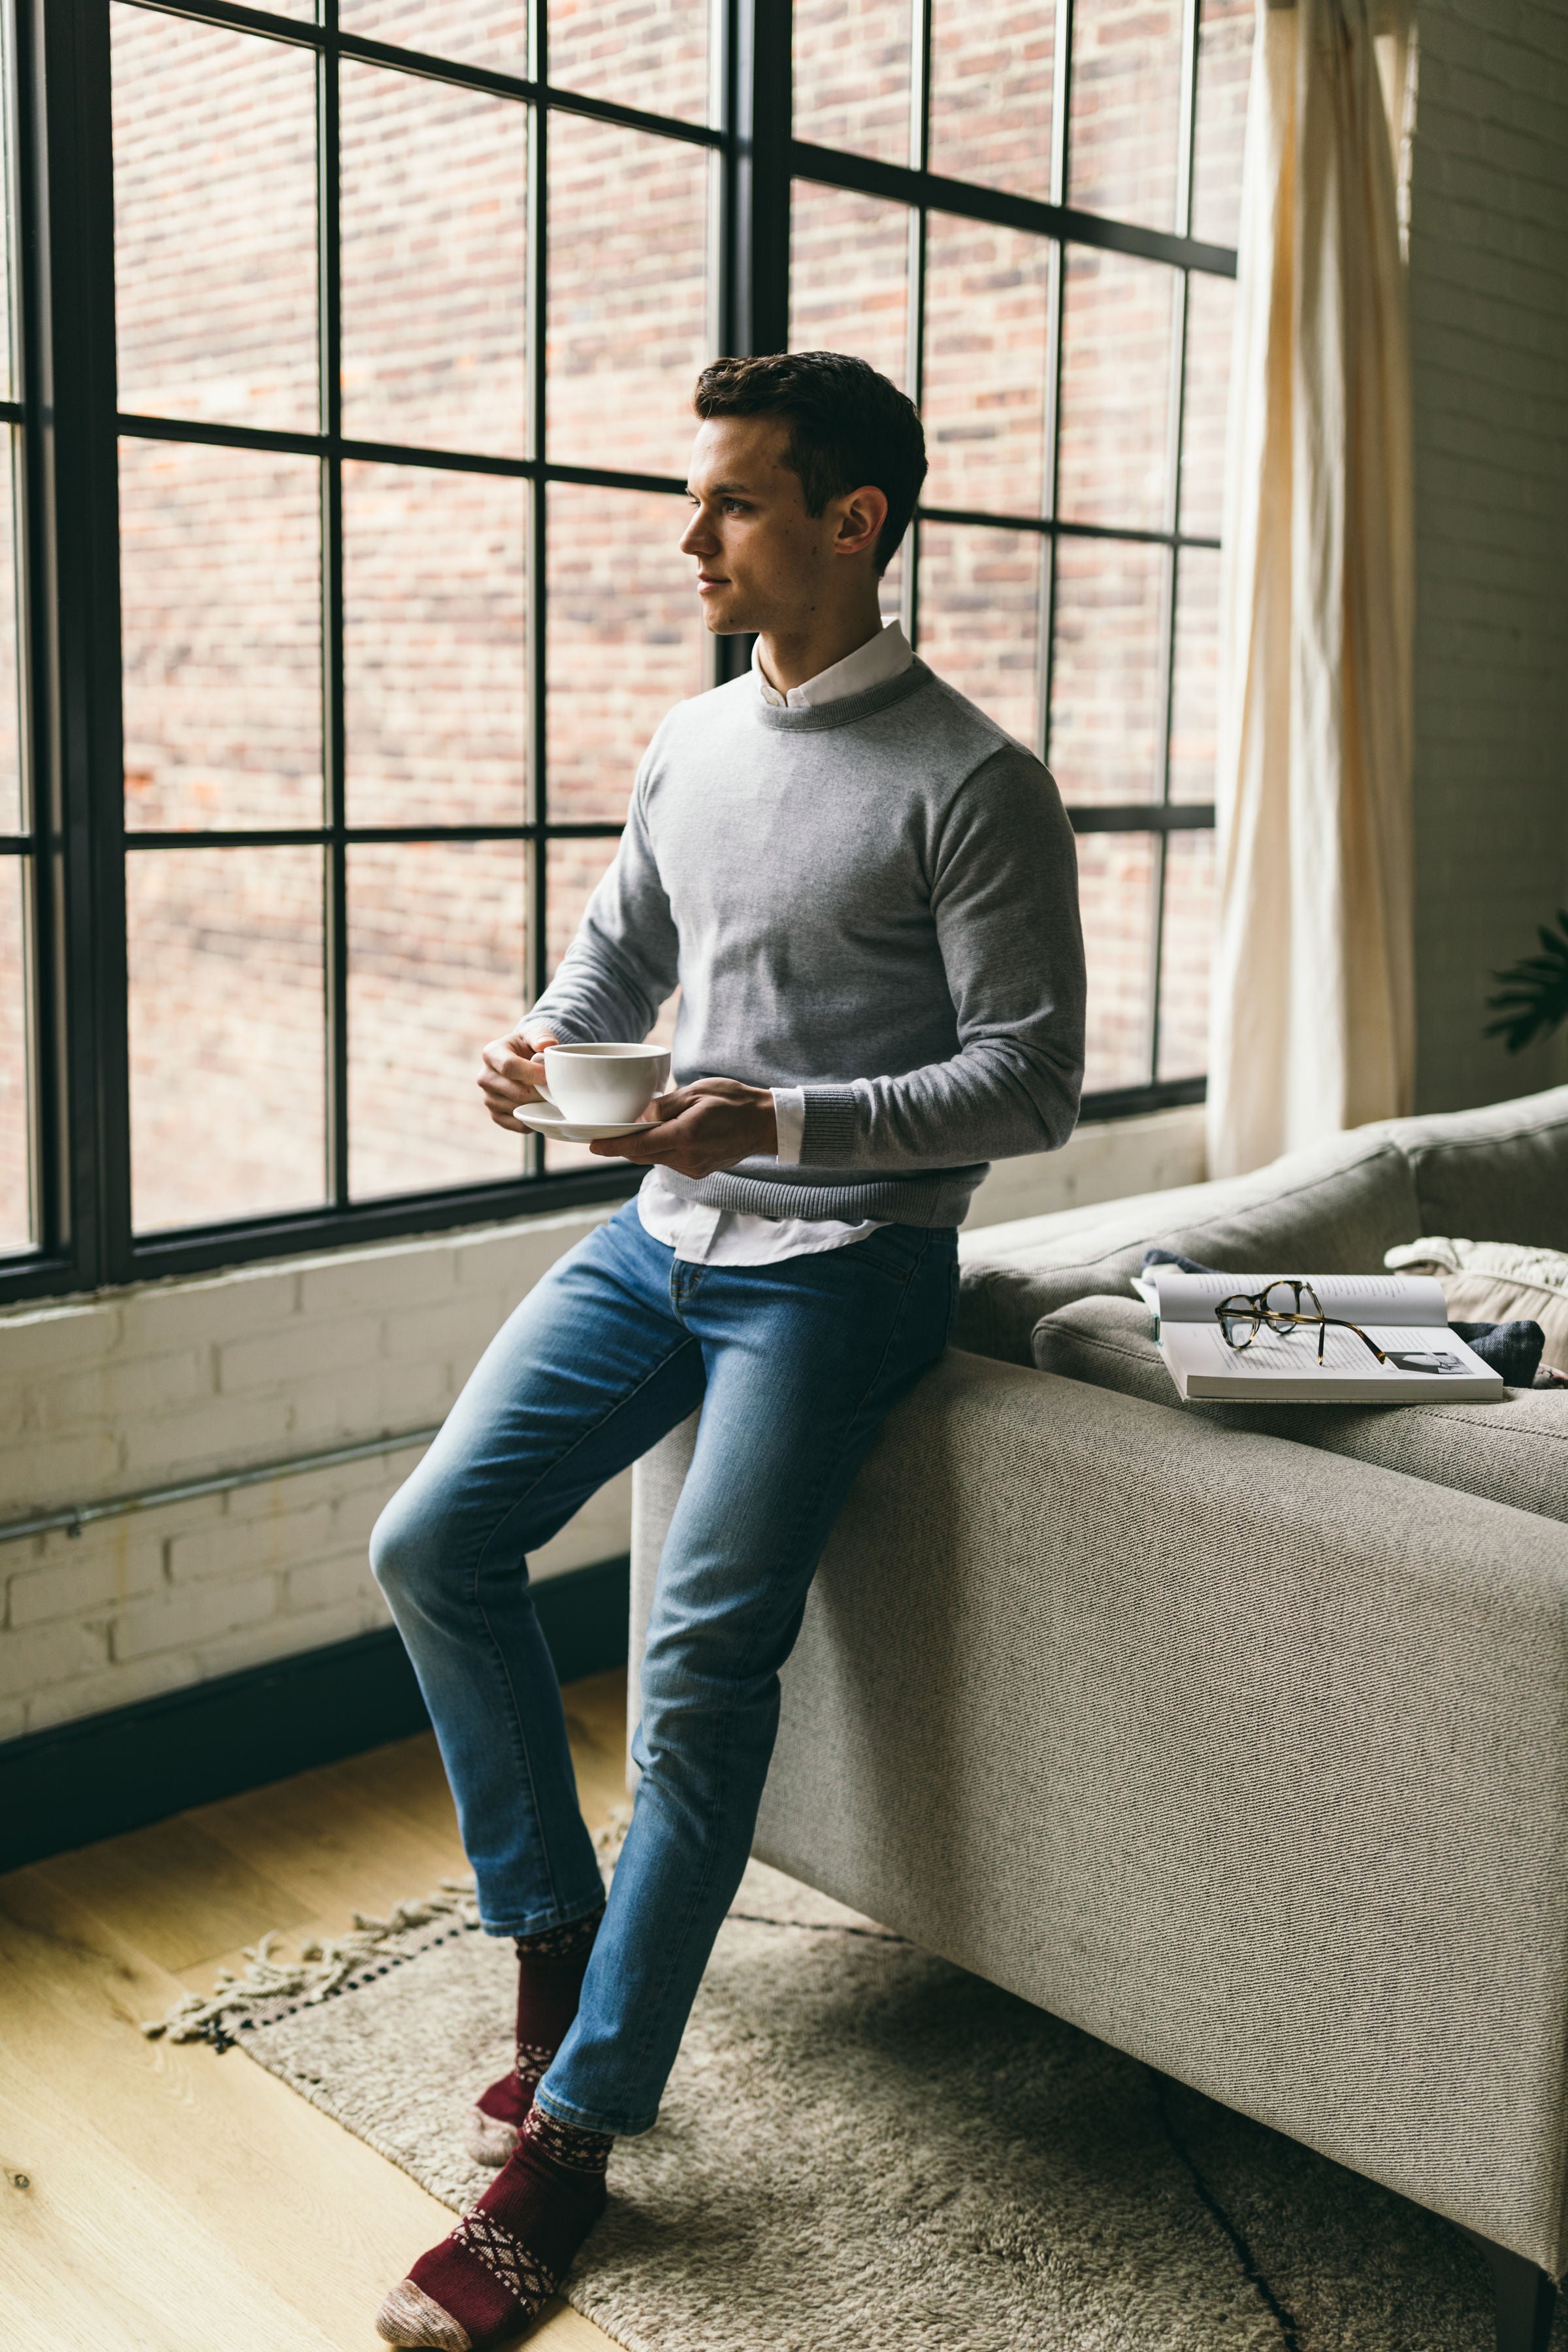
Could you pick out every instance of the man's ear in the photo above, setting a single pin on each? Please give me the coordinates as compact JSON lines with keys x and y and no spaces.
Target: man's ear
{"x":861,"y":515}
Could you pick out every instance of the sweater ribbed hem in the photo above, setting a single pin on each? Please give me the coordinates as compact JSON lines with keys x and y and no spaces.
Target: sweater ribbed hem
{"x":938,"y":1196}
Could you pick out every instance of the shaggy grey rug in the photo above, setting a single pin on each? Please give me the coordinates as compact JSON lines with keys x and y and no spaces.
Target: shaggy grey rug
{"x":864,"y":2149}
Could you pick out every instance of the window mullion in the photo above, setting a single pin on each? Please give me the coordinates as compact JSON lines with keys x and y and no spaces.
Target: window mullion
{"x":335,"y":941}
{"x":538,"y":851}
{"x":761,"y":132}
{"x":83,"y":803}
{"x":43,"y":931}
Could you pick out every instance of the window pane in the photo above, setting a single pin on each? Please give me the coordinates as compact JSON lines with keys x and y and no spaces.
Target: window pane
{"x":849,"y":270}
{"x":993,"y":81}
{"x":214,"y":223}
{"x":13,"y":790}
{"x":979,"y":619}
{"x":17,"y":1231}
{"x":477,"y":32}
{"x":629,"y":296}
{"x":1113,"y":460}
{"x":1186,"y":948}
{"x":1224,"y":66}
{"x":1211,"y":314}
{"x":572,"y":872}
{"x":1105,"y":665}
{"x":1116,"y":896}
{"x":228,"y":1052}
{"x":221,"y":599}
{"x":435,"y":649}
{"x":1125,"y":114}
{"x":647,"y":53}
{"x":852,"y":76}
{"x":625,"y":640}
{"x":1195,"y":675}
{"x":438,"y":966}
{"x":435,"y":184}
{"x":987,"y":328}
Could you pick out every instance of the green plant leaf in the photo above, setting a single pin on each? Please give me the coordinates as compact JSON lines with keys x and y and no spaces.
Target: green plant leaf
{"x":1531,"y":998}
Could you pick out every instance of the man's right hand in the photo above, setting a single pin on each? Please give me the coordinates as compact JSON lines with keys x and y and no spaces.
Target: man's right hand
{"x":513,"y":1073}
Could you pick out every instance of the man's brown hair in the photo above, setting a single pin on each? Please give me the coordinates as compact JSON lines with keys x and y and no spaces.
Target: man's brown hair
{"x":848,"y":428}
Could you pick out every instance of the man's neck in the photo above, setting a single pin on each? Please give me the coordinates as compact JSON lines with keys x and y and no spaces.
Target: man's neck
{"x":794,"y":659}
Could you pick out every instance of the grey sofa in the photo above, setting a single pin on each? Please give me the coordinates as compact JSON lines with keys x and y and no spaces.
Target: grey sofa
{"x":1252,"y":1762}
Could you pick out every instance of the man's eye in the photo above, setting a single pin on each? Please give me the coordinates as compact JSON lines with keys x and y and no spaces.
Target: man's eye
{"x":736,"y":506}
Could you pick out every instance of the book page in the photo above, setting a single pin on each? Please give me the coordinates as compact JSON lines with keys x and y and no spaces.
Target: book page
{"x":1296,"y":1358}
{"x":1362,"y":1298}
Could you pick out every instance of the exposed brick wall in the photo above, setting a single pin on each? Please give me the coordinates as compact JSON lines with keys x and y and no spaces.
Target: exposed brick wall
{"x":1489,"y":296}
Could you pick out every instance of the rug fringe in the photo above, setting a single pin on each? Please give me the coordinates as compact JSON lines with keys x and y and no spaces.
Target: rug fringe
{"x":320,"y":1968}
{"x":317,"y":1971}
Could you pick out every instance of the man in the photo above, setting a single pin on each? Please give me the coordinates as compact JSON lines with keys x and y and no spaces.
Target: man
{"x":867,"y":893}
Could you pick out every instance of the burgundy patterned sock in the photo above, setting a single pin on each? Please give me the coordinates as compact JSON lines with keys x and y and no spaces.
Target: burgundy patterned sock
{"x":550,"y":1970}
{"x":507,"y":2254}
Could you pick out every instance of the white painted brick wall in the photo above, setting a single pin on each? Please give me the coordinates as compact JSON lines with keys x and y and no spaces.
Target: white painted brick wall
{"x":176,"y":1381}
{"x":1488,"y":292}
{"x":151,"y":1386}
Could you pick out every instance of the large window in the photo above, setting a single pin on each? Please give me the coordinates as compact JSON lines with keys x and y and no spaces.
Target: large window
{"x":1027,"y":216}
{"x":354,"y":594}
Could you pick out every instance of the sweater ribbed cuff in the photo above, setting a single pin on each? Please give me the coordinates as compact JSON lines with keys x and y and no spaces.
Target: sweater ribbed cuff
{"x":832,"y":1126}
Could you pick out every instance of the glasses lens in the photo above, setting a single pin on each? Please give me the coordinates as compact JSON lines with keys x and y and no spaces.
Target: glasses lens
{"x":1280,"y":1308}
{"x":1238,"y":1321}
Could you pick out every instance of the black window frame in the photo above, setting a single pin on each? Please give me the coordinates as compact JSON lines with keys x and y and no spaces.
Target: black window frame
{"x":71,"y":578}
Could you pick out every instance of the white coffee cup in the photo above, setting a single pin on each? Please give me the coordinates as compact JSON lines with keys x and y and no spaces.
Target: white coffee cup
{"x":597,"y":1086}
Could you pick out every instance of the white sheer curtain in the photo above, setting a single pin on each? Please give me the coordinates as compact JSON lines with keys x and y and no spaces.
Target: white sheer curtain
{"x":1312,"y":1026}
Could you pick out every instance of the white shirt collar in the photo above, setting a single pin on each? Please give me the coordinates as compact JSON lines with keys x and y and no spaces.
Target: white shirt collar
{"x":883,"y":656}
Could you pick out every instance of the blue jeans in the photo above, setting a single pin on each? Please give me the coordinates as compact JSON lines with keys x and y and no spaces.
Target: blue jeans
{"x":794,"y":1366}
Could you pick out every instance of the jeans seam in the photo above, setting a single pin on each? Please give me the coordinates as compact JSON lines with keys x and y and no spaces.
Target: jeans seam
{"x":519,"y":1742}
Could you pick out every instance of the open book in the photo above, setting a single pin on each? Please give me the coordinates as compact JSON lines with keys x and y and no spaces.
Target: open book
{"x":1407,"y":1315}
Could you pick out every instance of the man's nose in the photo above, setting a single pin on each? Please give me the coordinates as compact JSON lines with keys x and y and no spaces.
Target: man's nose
{"x":697,"y":538}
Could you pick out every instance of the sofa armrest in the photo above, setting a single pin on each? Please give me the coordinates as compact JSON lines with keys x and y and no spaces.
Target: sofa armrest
{"x":1249,"y":1761}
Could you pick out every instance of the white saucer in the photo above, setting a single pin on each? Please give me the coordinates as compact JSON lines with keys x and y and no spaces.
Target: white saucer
{"x":545,"y":1120}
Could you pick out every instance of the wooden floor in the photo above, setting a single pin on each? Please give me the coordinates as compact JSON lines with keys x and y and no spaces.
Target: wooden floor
{"x":156,"y":2197}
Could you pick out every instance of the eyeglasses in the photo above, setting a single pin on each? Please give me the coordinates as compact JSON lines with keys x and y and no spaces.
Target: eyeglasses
{"x":1279,"y":1309}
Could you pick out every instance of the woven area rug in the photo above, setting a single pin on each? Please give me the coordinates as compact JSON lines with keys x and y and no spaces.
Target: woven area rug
{"x":864,"y":2149}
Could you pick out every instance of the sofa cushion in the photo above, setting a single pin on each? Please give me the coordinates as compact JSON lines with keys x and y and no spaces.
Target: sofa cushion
{"x":1513,"y":1450}
{"x":1501,"y":1172}
{"x":1333,"y":1209}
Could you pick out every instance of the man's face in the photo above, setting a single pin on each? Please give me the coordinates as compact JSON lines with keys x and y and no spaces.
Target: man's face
{"x":763,"y":562}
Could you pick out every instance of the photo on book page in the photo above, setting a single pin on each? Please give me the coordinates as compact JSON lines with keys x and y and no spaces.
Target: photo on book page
{"x":1405,"y":1316}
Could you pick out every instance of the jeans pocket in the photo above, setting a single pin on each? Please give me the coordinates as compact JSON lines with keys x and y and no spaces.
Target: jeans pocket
{"x":894,"y":1250}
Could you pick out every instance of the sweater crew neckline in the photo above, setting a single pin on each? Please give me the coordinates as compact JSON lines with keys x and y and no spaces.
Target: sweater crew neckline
{"x":845,"y":710}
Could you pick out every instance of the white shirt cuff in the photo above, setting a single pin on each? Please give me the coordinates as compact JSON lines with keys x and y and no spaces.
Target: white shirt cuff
{"x":789,"y":1111}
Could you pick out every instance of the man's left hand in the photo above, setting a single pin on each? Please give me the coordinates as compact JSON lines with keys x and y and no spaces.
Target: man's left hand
{"x":709,"y":1124}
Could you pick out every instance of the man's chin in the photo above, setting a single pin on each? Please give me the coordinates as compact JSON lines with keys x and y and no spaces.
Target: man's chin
{"x":727,"y":622}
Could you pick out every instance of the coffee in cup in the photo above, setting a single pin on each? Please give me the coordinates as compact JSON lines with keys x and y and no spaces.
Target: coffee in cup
{"x":601,"y":1086}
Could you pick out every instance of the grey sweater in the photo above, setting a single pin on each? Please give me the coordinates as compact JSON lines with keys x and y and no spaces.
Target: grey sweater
{"x":875,"y":900}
